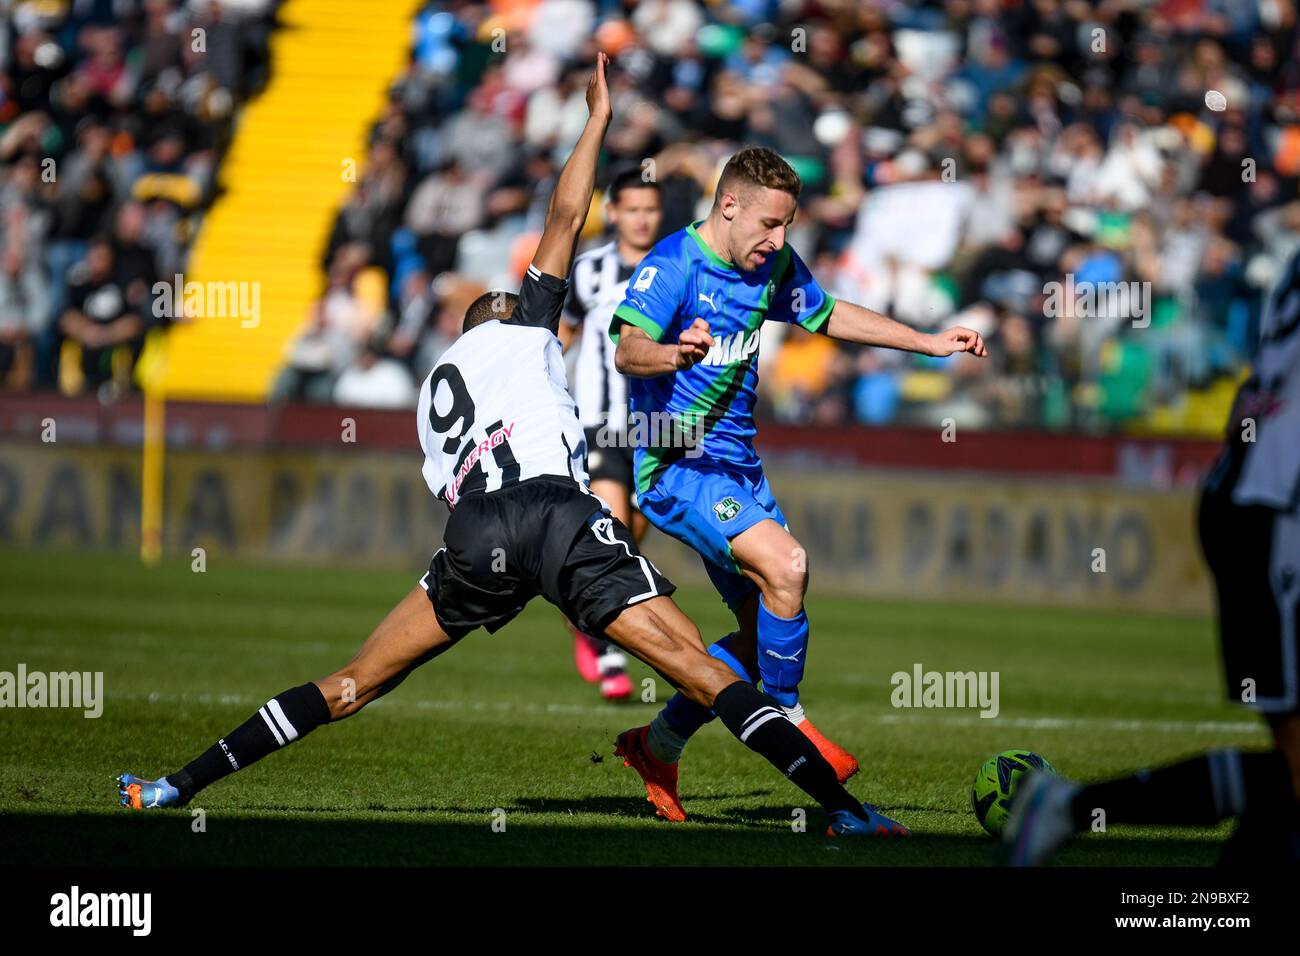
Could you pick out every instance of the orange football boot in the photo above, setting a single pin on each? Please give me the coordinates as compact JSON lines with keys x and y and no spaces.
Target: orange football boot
{"x":660,"y":778}
{"x":845,"y":764}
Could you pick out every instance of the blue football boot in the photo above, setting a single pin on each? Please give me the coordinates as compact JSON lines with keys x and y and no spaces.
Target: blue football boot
{"x":141,"y":794}
{"x":848,"y":823}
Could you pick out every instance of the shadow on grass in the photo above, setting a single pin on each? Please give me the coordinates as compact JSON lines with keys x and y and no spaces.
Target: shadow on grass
{"x":532,"y":837}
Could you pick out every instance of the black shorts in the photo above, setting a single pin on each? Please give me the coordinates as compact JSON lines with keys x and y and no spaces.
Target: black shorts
{"x":542,"y":536}
{"x":1254,"y":555}
{"x":610,"y":463}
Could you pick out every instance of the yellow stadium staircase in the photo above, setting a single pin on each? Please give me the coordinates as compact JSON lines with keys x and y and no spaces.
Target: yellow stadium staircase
{"x":285,"y":177}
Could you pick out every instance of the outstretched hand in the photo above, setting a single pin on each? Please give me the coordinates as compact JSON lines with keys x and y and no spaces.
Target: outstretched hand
{"x":598,"y":104}
{"x":957,"y":339}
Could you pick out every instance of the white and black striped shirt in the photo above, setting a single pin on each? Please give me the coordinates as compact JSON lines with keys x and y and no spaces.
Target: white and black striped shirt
{"x":1270,"y":464}
{"x":596,"y":288}
{"x":496,"y":409}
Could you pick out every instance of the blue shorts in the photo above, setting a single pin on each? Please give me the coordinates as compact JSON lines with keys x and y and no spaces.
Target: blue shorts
{"x":704,"y":504}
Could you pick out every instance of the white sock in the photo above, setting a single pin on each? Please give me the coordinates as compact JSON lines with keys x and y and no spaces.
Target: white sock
{"x":664,"y":743}
{"x":795,"y":713}
{"x":611,"y":662}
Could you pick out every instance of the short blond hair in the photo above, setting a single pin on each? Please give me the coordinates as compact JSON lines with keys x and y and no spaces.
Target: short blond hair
{"x":757,"y":166}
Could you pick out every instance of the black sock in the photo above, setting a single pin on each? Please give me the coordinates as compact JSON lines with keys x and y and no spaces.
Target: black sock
{"x":281,"y":720}
{"x":759,"y":723}
{"x":1199,"y":791}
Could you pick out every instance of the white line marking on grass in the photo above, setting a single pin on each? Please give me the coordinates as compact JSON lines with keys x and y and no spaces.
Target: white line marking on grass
{"x":1140,"y":725}
{"x":1082,"y":723}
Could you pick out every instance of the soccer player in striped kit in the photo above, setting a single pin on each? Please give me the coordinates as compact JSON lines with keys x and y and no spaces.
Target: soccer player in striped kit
{"x":1250,"y":532}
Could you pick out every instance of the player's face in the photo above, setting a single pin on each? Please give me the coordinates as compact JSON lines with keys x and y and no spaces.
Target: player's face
{"x":636,"y":217}
{"x":758,"y":231}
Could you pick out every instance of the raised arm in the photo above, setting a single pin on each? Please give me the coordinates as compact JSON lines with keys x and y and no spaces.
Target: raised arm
{"x":572,"y":196}
{"x":853,"y":323}
{"x":640,"y":356}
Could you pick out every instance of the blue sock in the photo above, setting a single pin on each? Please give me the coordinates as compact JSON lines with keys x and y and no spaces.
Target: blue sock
{"x":685,"y":716}
{"x":782,"y":643}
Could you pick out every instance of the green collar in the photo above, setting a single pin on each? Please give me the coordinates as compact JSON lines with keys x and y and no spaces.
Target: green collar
{"x":716,"y":259}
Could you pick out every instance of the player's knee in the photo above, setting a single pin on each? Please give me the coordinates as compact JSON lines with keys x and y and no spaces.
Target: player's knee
{"x":743,"y":645}
{"x":785,"y":580}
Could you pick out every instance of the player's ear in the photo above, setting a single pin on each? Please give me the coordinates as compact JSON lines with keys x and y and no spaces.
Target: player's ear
{"x":730,"y":205}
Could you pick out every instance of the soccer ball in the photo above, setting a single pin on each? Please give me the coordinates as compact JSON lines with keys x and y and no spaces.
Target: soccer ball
{"x":996,"y":783}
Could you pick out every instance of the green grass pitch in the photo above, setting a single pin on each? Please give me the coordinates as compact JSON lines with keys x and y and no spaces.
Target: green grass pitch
{"x":503,"y":722}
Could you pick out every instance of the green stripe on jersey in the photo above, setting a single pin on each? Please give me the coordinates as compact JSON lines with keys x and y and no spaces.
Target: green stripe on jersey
{"x":626,"y":313}
{"x":698,"y":419}
{"x":817,"y":321}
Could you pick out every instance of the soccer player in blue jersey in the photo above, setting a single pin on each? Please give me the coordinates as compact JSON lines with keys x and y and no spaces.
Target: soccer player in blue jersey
{"x":688,"y":333}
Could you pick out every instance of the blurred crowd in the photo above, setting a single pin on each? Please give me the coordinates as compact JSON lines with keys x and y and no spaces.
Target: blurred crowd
{"x":1104,"y":188}
{"x":113,"y":118}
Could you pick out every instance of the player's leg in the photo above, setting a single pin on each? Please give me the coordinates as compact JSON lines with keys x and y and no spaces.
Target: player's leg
{"x":407,"y":637}
{"x":761,"y":572}
{"x":1259,"y":617}
{"x":610,"y":470}
{"x":710,"y":509}
{"x":700,"y":505}
{"x":657,"y":632}
{"x":1201,"y":791}
{"x":597,"y":660}
{"x":608,"y":587}
{"x":610,"y":661}
{"x":638,"y":525}
{"x":767,"y":644}
{"x":771,"y":557}
{"x":681,"y":718}
{"x":1251,"y":550}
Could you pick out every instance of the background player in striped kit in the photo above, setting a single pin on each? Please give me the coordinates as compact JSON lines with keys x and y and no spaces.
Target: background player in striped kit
{"x":599,"y":280}
{"x":1250,"y":532}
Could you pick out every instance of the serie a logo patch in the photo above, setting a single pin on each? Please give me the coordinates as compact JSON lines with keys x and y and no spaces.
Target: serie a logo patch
{"x":727,"y":508}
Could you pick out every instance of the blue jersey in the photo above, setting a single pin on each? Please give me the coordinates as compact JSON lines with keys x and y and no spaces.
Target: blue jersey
{"x":711,"y":404}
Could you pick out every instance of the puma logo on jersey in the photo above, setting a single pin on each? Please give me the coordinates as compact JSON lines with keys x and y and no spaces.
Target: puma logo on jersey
{"x":708,"y":299}
{"x":732,"y":348}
